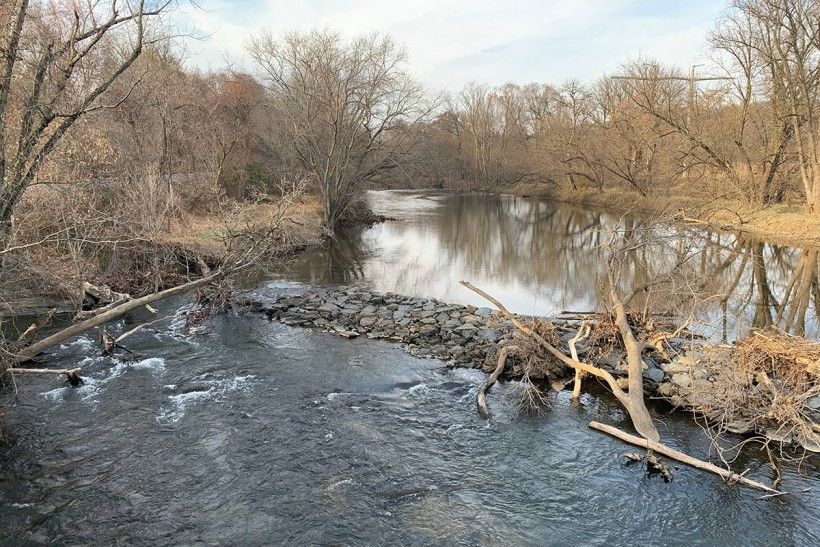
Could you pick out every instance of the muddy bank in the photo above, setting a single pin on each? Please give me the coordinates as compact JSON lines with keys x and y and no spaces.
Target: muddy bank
{"x":461,"y":336}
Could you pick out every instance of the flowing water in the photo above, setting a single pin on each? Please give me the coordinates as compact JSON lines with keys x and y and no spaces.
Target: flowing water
{"x":250,"y":432}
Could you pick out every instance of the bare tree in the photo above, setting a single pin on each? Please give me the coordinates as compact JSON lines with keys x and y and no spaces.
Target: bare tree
{"x":346,"y":105}
{"x":56,"y":63}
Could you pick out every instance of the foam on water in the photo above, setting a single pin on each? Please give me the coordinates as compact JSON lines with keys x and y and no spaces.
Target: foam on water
{"x":93,"y":383}
{"x":154,"y":364}
{"x":419,"y":390}
{"x":216,"y":390}
{"x":83,"y":343}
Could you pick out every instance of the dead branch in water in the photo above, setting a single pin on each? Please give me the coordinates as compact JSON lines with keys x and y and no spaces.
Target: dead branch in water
{"x":35,"y":349}
{"x":481,"y":396}
{"x":637,"y":410}
{"x":681,"y":457}
{"x":583,"y":332}
{"x":72,"y":374}
{"x":110,"y":343}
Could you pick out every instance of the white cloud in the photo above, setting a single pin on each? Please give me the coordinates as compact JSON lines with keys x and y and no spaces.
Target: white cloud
{"x":452,"y":42}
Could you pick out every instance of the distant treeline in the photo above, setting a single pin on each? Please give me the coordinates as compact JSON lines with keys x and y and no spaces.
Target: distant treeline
{"x":96,"y":97}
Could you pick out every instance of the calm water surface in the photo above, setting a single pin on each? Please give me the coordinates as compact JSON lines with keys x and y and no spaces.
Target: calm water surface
{"x":249,"y":432}
{"x":545,"y":257}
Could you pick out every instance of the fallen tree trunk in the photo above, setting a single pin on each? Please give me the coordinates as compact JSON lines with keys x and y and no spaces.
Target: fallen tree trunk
{"x":681,"y":457}
{"x":36,"y":348}
{"x":637,"y":407}
{"x":481,"y":396}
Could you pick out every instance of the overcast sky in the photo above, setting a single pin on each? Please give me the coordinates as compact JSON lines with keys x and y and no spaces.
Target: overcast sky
{"x":452,"y":42}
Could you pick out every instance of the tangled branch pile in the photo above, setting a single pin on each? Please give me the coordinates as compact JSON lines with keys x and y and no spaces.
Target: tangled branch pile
{"x":529,"y":361}
{"x":769,"y":383}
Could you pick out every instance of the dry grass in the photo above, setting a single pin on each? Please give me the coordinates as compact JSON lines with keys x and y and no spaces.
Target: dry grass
{"x":98,"y":233}
{"x":785,"y":224}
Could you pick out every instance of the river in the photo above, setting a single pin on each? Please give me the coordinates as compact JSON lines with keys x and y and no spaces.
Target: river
{"x":250,"y":432}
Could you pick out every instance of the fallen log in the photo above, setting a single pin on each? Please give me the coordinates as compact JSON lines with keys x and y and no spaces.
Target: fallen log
{"x":36,"y":348}
{"x":72,"y":374}
{"x":481,"y":396}
{"x":669,"y":452}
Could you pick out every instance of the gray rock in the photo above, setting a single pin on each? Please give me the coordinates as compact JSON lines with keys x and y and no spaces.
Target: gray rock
{"x":483,"y":312}
{"x":654,"y":374}
{"x":489,"y":334}
{"x":814,"y":403}
{"x":368,"y":320}
{"x":675,"y":367}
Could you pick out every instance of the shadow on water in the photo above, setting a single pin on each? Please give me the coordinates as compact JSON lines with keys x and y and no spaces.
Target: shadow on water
{"x":250,"y":432}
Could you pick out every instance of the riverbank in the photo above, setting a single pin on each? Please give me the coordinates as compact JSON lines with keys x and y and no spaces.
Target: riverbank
{"x":782,"y":224}
{"x":49,"y":276}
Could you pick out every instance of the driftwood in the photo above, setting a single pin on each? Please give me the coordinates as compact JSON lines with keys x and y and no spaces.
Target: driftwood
{"x":71,"y":373}
{"x":481,"y":396}
{"x":36,"y":348}
{"x":32,"y":329}
{"x":636,"y":408}
{"x":681,"y":457}
{"x":110,"y":343}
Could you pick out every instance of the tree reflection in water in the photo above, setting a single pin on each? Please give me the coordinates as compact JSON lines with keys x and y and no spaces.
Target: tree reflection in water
{"x":543,"y":257}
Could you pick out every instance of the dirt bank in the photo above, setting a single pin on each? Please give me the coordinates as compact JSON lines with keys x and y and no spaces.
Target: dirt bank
{"x":49,"y":277}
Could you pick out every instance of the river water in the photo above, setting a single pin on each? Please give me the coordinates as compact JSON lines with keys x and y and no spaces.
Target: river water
{"x":250,"y":432}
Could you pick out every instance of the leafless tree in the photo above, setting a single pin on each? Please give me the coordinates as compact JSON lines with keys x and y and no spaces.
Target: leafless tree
{"x":57,"y":60}
{"x":346,"y":105}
